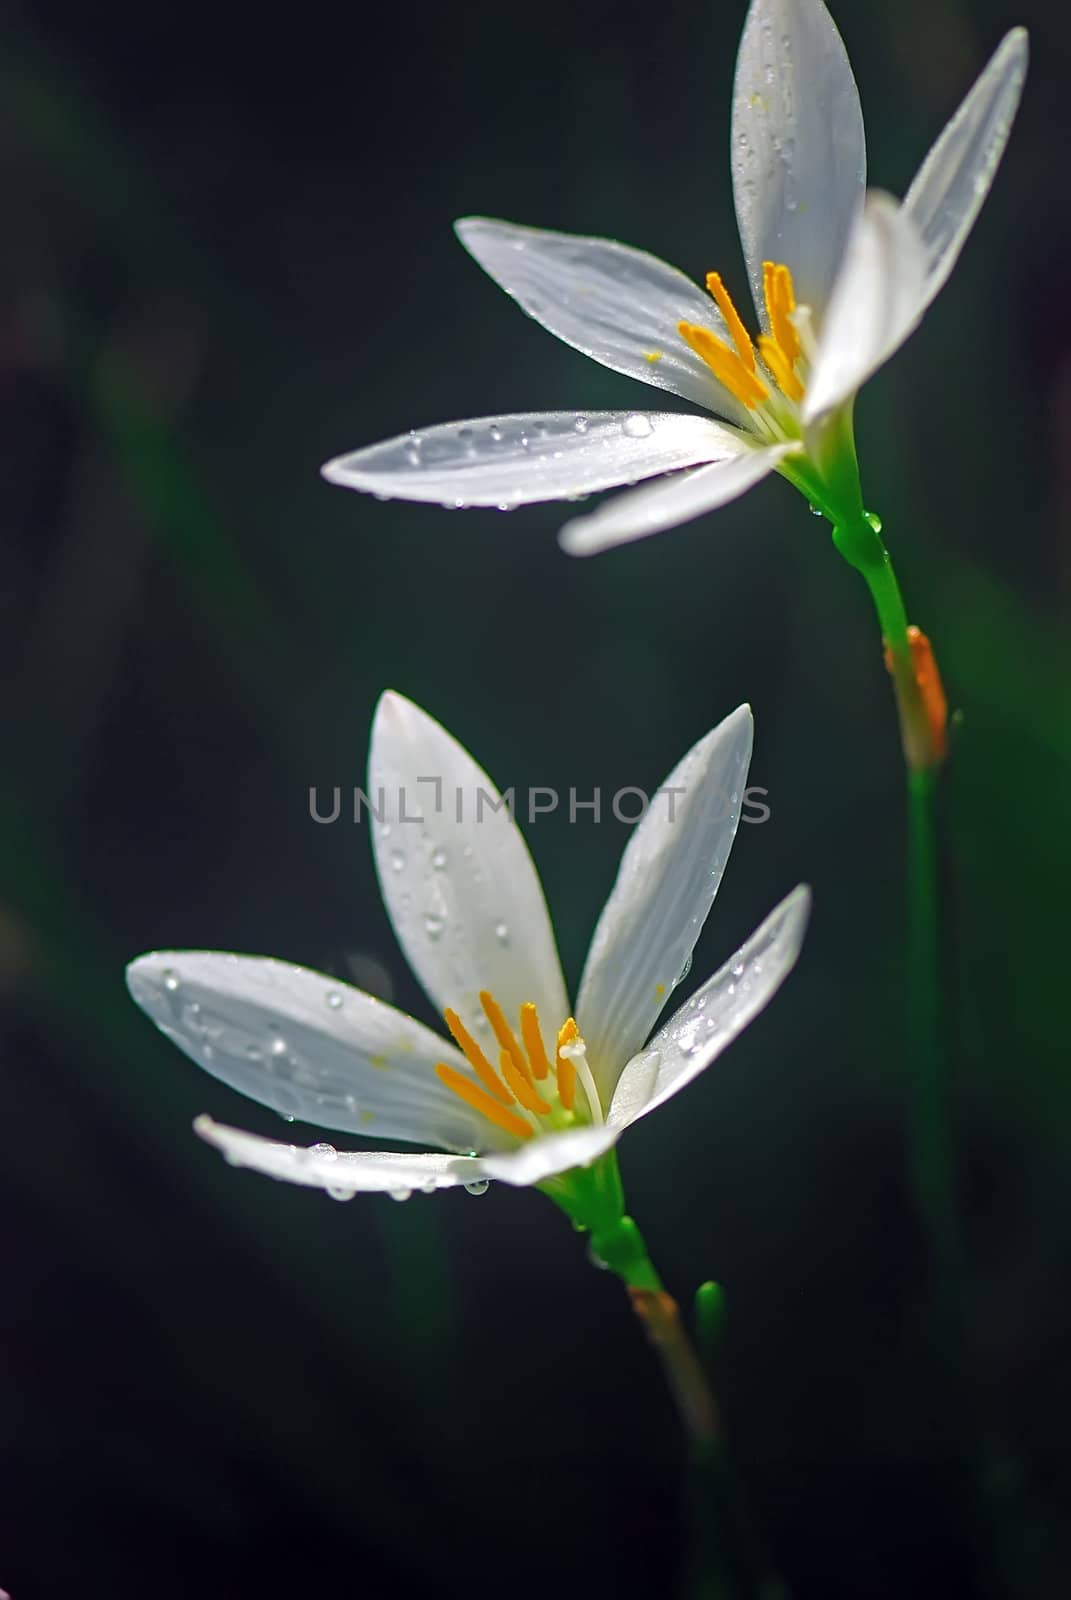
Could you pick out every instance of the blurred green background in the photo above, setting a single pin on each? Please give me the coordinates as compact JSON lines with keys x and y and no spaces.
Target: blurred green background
{"x":228,"y":256}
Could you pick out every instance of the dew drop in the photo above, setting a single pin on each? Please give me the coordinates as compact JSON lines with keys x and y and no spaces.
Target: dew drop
{"x":496,"y":433}
{"x":397,"y":860}
{"x":333,"y":1000}
{"x":399,"y":1194}
{"x":433,"y":924}
{"x":815,"y":511}
{"x":412,"y":454}
{"x":687,"y":967}
{"x":502,"y":932}
{"x":478,"y":1186}
{"x":637,"y":426}
{"x":340,"y":1194}
{"x":874,"y":520}
{"x":253,"y":1053}
{"x":278,"y":1046}
{"x":439,"y":859}
{"x":328,"y":1151}
{"x":738,"y":970}
{"x":171,"y":979}
{"x":581,"y":424}
{"x":596,"y":1259}
{"x":287,"y":1116}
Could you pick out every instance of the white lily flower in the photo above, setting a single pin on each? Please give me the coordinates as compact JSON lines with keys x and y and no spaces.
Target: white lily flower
{"x":839,"y":281}
{"x":526,"y":1090}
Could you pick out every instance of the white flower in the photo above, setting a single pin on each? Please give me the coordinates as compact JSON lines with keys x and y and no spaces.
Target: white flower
{"x":838,"y":285}
{"x":524,"y":1093}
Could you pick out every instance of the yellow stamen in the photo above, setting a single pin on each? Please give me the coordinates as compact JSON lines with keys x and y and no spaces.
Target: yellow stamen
{"x":476,"y":1058}
{"x":480,"y":1101}
{"x":778,"y":363}
{"x":520,"y":1085}
{"x":725,"y":364}
{"x":780,"y":304}
{"x":739,"y":333}
{"x":568,"y":1033}
{"x":533,"y":1041}
{"x":507,"y":1039}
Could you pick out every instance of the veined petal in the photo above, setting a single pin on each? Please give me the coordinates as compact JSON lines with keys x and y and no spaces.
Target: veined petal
{"x":618,"y":305}
{"x":666,"y":505}
{"x":342,"y":1172}
{"x":456,"y":875}
{"x":669,"y":875}
{"x":308,"y":1046}
{"x":953,"y":181}
{"x":877,"y":302}
{"x":542,"y":1158}
{"x":798,"y":151}
{"x":517,"y":460}
{"x":715,"y":1014}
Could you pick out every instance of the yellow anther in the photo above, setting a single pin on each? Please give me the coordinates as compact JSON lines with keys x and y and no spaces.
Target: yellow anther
{"x":505,"y":1035}
{"x":533,"y":1041}
{"x":481,"y":1101}
{"x":476,"y":1058}
{"x":725,"y":364}
{"x":778,"y":363}
{"x":740,"y":336}
{"x":780,"y":305}
{"x":522,"y":1088}
{"x":568,"y":1033}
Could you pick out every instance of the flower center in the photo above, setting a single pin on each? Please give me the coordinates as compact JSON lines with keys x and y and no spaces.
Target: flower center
{"x":508,"y":1096}
{"x":779,"y":350}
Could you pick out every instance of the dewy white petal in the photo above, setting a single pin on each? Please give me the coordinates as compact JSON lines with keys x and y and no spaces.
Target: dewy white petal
{"x":669,"y":875}
{"x":518,"y":460}
{"x":343,"y":1172}
{"x":798,"y":152}
{"x":308,"y":1046}
{"x":953,"y":181}
{"x":877,"y":301}
{"x":618,"y":305}
{"x":666,"y":505}
{"x":715,"y":1014}
{"x":538,"y":1159}
{"x":456,"y":875}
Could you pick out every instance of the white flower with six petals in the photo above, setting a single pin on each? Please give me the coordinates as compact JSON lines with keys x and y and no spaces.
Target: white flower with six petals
{"x":522,"y":1093}
{"x":839,"y":279}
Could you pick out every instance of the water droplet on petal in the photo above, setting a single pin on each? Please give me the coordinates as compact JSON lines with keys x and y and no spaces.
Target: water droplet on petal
{"x":439,"y":860}
{"x":433,"y":924}
{"x":874,"y":520}
{"x":581,"y":424}
{"x":340,"y":1194}
{"x":596,"y":1259}
{"x":477,"y":1186}
{"x":687,"y":967}
{"x":333,"y":999}
{"x":502,"y":932}
{"x":496,"y":433}
{"x":171,"y":979}
{"x":327,"y":1151}
{"x":816,"y":511}
{"x":278,"y":1046}
{"x":637,"y":426}
{"x":287,"y":1116}
{"x":397,"y":860}
{"x":399,"y":1194}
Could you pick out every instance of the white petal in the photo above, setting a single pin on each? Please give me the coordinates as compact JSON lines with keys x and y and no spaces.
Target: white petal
{"x":517,"y":460}
{"x":715,"y":1014}
{"x":667,"y":505}
{"x":457,"y":877}
{"x":877,"y":302}
{"x":953,"y":181}
{"x":618,"y":305}
{"x":669,"y":875}
{"x":538,"y":1159}
{"x":798,"y":152}
{"x":307,"y":1046}
{"x":342,"y":1172}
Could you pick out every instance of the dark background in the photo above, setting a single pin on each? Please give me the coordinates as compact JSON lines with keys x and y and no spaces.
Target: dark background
{"x":227,"y":256}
